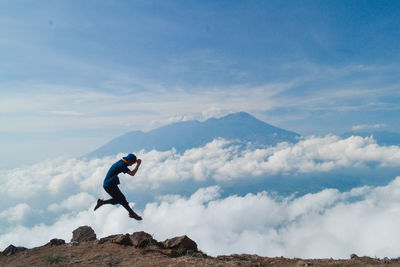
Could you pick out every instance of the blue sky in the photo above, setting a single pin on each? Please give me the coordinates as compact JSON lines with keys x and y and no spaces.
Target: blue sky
{"x":75,"y":74}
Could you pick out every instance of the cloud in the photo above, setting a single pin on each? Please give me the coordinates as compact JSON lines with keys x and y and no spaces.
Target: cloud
{"x":219,"y":160}
{"x":53,"y":107}
{"x":60,"y":191}
{"x":126,"y":101}
{"x":214,"y":112}
{"x":180,"y":118}
{"x":225,"y":160}
{"x":55,"y":176}
{"x":325,"y":224}
{"x":16,"y":213}
{"x":368,"y":126}
{"x":66,"y":112}
{"x":76,"y":202}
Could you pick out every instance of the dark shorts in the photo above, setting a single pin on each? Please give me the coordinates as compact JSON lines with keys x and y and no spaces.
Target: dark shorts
{"x":116,"y":194}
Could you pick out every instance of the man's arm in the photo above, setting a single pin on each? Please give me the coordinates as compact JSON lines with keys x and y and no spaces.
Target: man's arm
{"x":134,"y":171}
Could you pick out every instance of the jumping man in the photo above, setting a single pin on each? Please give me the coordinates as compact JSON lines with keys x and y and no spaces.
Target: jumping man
{"x":111,"y":183}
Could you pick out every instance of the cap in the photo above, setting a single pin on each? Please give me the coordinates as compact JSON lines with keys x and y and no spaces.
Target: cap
{"x":130,"y":157}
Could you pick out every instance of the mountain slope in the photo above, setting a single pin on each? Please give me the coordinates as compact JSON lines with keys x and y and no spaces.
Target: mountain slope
{"x":185,"y":135}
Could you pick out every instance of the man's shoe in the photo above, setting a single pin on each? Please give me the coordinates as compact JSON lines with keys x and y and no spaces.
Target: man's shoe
{"x":135,"y":216}
{"x":99,"y":203}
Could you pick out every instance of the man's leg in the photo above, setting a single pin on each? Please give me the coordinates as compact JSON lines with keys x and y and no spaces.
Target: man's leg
{"x":115,"y":194}
{"x":119,"y":198}
{"x":112,"y":191}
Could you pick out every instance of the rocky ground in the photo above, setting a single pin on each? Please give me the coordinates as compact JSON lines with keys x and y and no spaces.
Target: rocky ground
{"x":140,"y":249}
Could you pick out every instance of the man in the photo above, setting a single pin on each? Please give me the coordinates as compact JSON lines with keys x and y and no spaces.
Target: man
{"x":111,"y":184}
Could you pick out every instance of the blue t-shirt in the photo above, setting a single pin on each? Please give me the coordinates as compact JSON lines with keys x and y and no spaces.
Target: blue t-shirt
{"x":112,"y":175}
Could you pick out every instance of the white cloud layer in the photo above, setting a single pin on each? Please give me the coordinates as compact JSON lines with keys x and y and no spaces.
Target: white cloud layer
{"x":220,"y":160}
{"x":223,"y":160}
{"x":325,"y":224}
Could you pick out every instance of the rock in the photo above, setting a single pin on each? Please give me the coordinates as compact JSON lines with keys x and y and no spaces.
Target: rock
{"x":143,"y":239}
{"x":122,"y":240}
{"x":180,"y":242}
{"x":107,"y":239}
{"x":56,"y":242}
{"x":83,"y":234}
{"x":11,"y":250}
{"x":353,"y":256}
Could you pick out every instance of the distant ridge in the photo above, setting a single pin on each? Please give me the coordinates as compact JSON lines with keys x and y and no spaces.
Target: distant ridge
{"x":190,"y":134}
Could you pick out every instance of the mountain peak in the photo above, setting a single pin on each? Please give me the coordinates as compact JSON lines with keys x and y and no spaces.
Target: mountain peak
{"x":186,"y":135}
{"x":238,"y":116}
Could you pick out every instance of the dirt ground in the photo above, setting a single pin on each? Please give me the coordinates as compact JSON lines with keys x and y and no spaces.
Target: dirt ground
{"x":110,"y":254}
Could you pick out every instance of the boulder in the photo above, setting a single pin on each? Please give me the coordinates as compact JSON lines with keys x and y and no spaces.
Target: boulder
{"x":122,"y":240}
{"x":354,"y":256}
{"x":11,"y":250}
{"x":180,"y":242}
{"x":107,"y":239}
{"x":83,"y":234}
{"x":56,"y":242}
{"x":143,"y":239}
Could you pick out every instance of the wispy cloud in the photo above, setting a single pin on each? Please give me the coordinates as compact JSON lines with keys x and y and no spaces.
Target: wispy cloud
{"x":140,"y":109}
{"x":368,"y":126}
{"x":126,"y":101}
{"x":66,"y":112}
{"x":327,"y":87}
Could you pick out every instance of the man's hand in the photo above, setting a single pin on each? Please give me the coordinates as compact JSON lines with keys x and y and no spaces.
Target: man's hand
{"x":133,"y":172}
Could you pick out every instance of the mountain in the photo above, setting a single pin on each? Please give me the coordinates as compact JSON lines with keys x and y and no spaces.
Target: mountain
{"x":383,"y":138}
{"x":185,"y":135}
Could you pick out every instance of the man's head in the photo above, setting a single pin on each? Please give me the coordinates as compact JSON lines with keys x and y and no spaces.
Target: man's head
{"x":130,"y":159}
